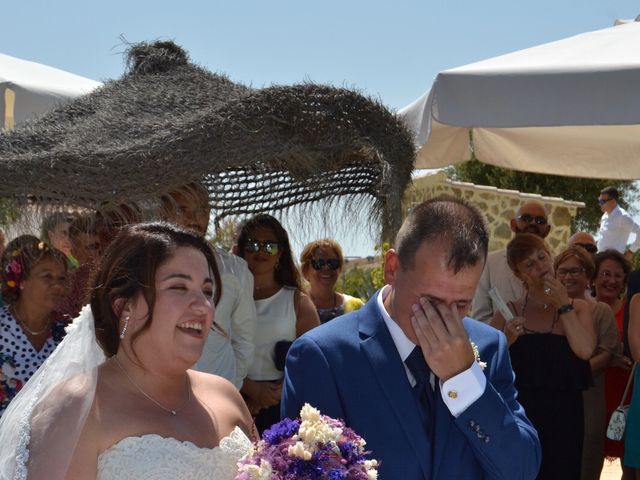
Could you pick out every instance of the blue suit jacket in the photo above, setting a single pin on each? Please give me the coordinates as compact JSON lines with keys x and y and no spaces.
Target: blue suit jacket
{"x":349,"y":368}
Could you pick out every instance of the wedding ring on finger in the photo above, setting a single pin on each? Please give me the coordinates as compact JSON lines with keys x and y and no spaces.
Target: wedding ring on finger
{"x":547,"y":290}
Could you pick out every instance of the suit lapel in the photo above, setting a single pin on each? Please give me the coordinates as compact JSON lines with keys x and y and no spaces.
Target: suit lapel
{"x":387,"y":367}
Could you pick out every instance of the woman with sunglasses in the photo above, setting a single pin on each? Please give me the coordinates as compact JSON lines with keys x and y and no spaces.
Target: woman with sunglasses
{"x":322,"y":262}
{"x":574,"y":268}
{"x":283,"y":311}
{"x":609,"y":282}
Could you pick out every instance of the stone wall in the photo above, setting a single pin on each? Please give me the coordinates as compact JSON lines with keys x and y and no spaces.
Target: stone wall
{"x":499,"y":207}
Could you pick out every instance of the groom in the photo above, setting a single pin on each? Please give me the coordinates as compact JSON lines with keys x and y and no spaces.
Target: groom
{"x":436,"y":412}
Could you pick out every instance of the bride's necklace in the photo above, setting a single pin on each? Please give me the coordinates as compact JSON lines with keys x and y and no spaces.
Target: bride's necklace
{"x":149,"y":397}
{"x":27,"y":329}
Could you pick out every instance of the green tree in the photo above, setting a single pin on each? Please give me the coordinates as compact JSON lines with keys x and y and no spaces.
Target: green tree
{"x":570,"y":188}
{"x":8,"y":212}
{"x":225,"y":233}
{"x":363,"y":282}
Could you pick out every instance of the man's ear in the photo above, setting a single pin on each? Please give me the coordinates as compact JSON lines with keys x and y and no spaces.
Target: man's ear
{"x":391,"y":266}
{"x":546,"y":231}
{"x":512,"y":224}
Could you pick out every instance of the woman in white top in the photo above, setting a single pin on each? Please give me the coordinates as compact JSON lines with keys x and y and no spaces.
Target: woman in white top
{"x":284,"y":312}
{"x":117,"y":399}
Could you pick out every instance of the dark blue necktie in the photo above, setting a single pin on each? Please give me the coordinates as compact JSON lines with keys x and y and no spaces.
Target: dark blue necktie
{"x":422,"y":390}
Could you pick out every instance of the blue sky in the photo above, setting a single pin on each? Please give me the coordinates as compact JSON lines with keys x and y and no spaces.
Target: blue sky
{"x":388,"y":49}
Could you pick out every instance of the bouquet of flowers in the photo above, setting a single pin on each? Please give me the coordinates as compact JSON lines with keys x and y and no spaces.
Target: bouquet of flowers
{"x":313,"y":447}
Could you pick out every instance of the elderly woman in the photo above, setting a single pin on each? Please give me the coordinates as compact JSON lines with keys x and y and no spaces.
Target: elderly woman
{"x":610,"y":279}
{"x":551,"y":340}
{"x":574,"y":268}
{"x":34,"y":278}
{"x":322,"y":262}
{"x":284,"y":312}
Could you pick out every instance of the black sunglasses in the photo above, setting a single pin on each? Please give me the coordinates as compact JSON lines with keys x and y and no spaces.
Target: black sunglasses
{"x":589,"y":247}
{"x":268,"y":246}
{"x":332,"y":263}
{"x":602,"y":201}
{"x":526,"y":218}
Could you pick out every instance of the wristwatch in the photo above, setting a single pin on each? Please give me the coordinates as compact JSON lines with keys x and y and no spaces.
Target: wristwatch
{"x":565,"y":309}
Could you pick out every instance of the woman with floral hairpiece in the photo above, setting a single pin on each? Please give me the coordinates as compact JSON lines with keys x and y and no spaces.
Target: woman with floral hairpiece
{"x":284,"y":312}
{"x":34,"y":278}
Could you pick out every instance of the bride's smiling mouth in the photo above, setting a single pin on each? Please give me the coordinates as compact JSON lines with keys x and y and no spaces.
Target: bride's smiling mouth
{"x":193,"y":328}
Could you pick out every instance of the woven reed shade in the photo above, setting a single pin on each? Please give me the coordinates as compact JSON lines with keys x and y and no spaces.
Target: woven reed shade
{"x":168,"y":122}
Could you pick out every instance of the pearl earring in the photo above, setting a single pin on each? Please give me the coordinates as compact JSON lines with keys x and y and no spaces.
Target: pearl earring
{"x":124,"y":329}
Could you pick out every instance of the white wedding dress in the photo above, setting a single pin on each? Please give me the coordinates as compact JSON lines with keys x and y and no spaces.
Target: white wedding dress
{"x":154,"y":457}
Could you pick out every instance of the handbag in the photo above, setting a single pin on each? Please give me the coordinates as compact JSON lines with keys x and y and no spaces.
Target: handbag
{"x":618,"y":420}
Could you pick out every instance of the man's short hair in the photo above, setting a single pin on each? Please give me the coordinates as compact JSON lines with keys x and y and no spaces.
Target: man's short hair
{"x":449,"y":219}
{"x":612,"y":192}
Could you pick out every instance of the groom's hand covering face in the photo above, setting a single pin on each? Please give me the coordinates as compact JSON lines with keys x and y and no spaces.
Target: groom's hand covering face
{"x":428,"y":302}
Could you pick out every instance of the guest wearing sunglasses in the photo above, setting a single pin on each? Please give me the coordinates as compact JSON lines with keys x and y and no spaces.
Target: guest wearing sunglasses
{"x":284,"y":312}
{"x":531,"y":217}
{"x":322,"y":262}
{"x":616,"y":225}
{"x":584,"y":240}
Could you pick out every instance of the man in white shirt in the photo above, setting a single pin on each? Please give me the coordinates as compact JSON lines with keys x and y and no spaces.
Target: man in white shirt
{"x":530,"y":218}
{"x":229,"y":349}
{"x":616,"y":225}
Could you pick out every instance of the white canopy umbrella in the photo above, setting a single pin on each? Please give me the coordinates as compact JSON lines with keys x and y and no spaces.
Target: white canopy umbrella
{"x":570,"y":107}
{"x":28,"y":89}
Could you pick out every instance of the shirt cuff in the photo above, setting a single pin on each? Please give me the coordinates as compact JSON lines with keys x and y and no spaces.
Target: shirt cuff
{"x":461,"y":391}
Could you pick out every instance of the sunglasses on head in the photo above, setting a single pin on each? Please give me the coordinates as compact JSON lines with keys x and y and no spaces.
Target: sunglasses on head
{"x":332,"y":263}
{"x":268,"y":246}
{"x":589,"y":247}
{"x":526,"y":218}
{"x":602,"y":201}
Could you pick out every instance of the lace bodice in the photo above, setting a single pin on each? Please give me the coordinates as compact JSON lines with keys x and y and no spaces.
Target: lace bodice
{"x":154,"y":457}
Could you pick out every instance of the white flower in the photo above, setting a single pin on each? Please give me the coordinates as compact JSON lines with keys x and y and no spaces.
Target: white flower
{"x":476,"y":355}
{"x":299,"y":450}
{"x":258,"y":472}
{"x":370,"y":466}
{"x":308,"y":413}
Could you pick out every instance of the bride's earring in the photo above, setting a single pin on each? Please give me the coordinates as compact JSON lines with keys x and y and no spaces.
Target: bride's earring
{"x":124,"y":329}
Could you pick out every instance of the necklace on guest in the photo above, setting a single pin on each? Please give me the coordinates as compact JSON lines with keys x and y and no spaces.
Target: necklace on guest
{"x":27,"y":329}
{"x":149,"y":397}
{"x":528,"y":330}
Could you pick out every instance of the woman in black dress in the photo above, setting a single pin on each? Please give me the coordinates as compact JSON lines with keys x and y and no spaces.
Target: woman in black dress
{"x":551,"y":339}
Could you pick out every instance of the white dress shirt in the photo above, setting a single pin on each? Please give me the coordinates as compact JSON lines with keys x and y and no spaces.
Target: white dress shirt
{"x":469,"y":384}
{"x":615,"y":228}
{"x":230,"y":356}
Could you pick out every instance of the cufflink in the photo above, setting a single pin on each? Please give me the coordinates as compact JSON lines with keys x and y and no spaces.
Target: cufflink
{"x":452,"y":394}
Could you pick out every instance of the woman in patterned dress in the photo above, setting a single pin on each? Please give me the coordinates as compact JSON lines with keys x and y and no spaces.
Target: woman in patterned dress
{"x":34,"y":279}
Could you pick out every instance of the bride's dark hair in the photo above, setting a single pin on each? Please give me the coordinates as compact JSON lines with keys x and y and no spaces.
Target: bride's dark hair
{"x":129,"y":267}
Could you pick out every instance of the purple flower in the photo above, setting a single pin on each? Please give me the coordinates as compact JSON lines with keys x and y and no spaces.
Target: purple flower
{"x":342,"y":459}
{"x":281,"y":430}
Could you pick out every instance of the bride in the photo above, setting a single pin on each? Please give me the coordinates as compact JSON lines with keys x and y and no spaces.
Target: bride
{"x":117,"y":399}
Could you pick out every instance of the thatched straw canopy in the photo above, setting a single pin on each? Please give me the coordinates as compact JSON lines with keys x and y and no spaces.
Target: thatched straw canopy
{"x":168,"y":122}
